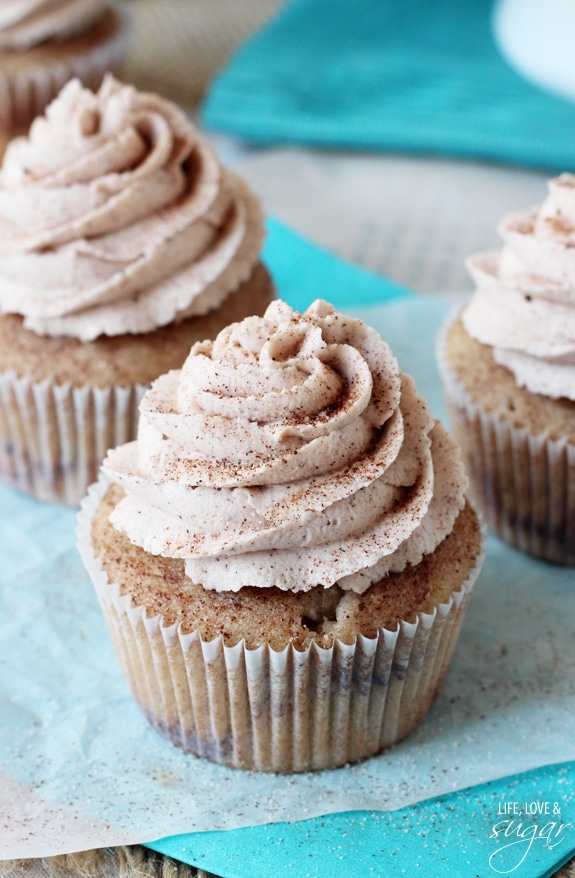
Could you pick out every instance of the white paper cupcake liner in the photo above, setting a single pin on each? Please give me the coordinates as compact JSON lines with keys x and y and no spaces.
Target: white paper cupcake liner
{"x":53,"y":437}
{"x":524,"y":485}
{"x":285,"y":711}
{"x":24,"y":94}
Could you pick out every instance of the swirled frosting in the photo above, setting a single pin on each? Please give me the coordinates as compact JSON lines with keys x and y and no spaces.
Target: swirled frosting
{"x":116,"y":217}
{"x":288,"y":452}
{"x":26,"y":23}
{"x":524,"y":304}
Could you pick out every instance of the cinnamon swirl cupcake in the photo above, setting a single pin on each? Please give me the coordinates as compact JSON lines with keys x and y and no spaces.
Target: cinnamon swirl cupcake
{"x":285,"y":554}
{"x":122,"y":242}
{"x":45,"y":43}
{"x":508,"y":366}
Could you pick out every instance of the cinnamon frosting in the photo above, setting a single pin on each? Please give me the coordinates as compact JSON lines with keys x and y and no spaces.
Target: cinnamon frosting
{"x":27,"y":23}
{"x":117,"y":217}
{"x":289,"y":452}
{"x":524,"y":304}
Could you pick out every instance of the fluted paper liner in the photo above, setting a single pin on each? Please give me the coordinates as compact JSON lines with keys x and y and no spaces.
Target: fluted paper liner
{"x":524,"y":485}
{"x":25,"y":93}
{"x":273,"y":711}
{"x":53,"y":437}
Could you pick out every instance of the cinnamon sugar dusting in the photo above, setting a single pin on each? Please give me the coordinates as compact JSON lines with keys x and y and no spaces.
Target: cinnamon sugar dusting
{"x":289,"y":452}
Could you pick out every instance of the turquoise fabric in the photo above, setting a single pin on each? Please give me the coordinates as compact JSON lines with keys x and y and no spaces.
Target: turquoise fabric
{"x":303,"y":272}
{"x":460,"y":835}
{"x":402,"y":75}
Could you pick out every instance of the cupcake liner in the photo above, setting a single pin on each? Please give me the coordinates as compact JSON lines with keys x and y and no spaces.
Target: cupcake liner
{"x":284,"y":711}
{"x":25,"y":93}
{"x":53,"y":437}
{"x":523,"y":484}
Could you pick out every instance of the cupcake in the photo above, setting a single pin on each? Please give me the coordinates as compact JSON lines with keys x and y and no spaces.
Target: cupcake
{"x":508,"y":366}
{"x":122,"y":242}
{"x":43,"y":44}
{"x":285,"y":554}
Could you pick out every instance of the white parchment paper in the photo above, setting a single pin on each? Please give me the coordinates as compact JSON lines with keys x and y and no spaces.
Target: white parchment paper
{"x":81,"y":768}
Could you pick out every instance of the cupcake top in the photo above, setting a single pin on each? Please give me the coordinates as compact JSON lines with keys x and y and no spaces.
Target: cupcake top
{"x":524,"y":304}
{"x":27,"y":23}
{"x":116,"y":217}
{"x":289,"y":452}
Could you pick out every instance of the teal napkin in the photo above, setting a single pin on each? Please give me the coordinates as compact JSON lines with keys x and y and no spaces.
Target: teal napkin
{"x":303,"y":272}
{"x":404,"y":75}
{"x":465,"y":834}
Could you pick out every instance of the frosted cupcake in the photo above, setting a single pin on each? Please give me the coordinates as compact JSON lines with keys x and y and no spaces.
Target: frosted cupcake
{"x":45,"y":43}
{"x":508,"y":364}
{"x":122,"y":242}
{"x":285,"y":554}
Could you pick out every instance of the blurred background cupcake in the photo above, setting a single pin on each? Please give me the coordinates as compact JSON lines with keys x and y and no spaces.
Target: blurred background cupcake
{"x":123,"y":241}
{"x":44,"y":43}
{"x":508,"y":366}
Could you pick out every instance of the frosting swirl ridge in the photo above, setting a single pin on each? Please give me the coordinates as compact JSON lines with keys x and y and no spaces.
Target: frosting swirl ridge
{"x":117,"y":217}
{"x":524,"y":303}
{"x":289,"y":452}
{"x":27,"y":23}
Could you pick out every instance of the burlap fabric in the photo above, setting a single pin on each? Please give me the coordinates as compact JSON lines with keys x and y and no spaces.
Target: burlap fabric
{"x":130,"y":862}
{"x":122,"y":862}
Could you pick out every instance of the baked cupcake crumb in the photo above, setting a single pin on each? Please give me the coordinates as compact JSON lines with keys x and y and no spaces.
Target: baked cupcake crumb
{"x":494,"y":388}
{"x":278,"y":617}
